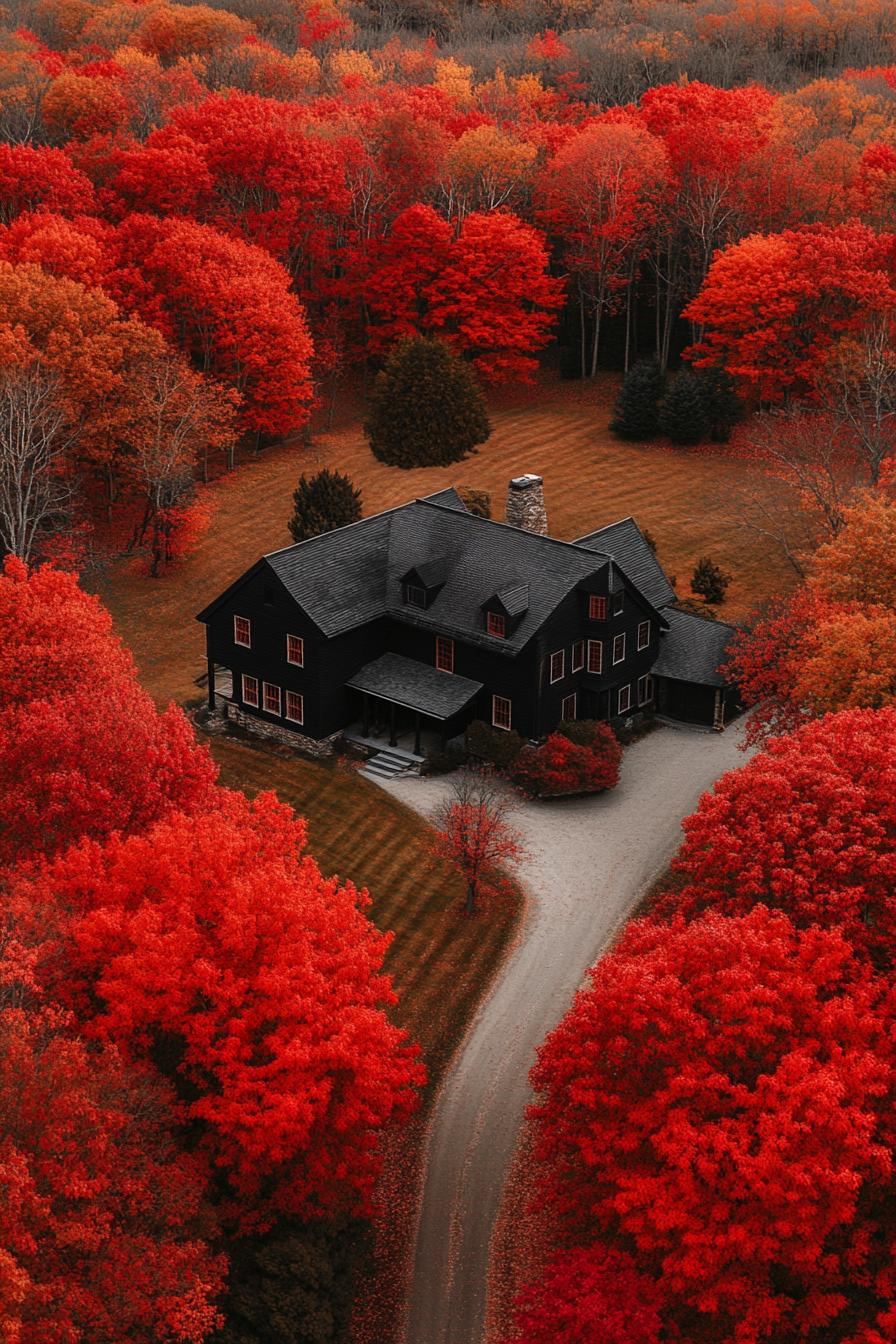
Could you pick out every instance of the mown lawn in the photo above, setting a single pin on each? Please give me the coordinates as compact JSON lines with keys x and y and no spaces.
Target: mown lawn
{"x":557,"y":429}
{"x":439,"y":959}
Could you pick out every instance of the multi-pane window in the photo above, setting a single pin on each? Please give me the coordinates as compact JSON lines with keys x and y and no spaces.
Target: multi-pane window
{"x":643,"y":634}
{"x":578,"y":655}
{"x":242,"y":631}
{"x":558,"y":665}
{"x":618,"y":603}
{"x":295,"y":650}
{"x":500,"y":711}
{"x":568,"y":708}
{"x":495,"y":624}
{"x":595,"y":656}
{"x":295,"y":707}
{"x":625,"y":699}
{"x":444,"y":654}
{"x":250,"y":690}
{"x":618,"y":649}
{"x":414,"y":595}
{"x":645,"y":689}
{"x":271,"y":698}
{"x":597,"y":607}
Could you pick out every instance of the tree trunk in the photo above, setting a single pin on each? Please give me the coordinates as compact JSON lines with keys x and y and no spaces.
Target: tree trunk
{"x":470,"y":907}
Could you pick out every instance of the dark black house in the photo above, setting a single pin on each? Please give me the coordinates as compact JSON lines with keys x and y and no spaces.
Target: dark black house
{"x":427,"y":616}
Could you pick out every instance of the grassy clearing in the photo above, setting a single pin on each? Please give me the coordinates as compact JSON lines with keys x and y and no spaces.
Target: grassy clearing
{"x":556,"y":429}
{"x":440,"y":960}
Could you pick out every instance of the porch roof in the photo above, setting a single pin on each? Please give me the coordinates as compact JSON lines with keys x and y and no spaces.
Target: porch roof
{"x":413,"y":685}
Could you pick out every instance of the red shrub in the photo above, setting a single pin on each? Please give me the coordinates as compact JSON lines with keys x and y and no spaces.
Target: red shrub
{"x":561,"y":766}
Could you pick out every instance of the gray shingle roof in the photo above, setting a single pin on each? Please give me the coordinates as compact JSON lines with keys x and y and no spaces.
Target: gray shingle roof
{"x":416,"y":685}
{"x":624,"y":541}
{"x":353,"y":575}
{"x":693,"y":649}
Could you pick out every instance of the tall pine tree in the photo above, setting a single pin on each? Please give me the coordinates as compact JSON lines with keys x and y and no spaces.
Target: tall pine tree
{"x":322,"y":503}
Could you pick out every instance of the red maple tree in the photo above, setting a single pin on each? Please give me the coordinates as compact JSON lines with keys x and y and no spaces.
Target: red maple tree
{"x":720,"y":1098}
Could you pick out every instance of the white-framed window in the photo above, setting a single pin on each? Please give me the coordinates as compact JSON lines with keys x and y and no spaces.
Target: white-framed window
{"x":558,"y":665}
{"x":597,"y":607}
{"x":295,"y":707}
{"x":501,"y":712}
{"x":271,"y":698}
{"x":595,"y":656}
{"x":578,"y":655}
{"x":619,"y":649}
{"x":250,"y":690}
{"x":625,"y":699}
{"x":645,"y":689}
{"x":495,"y":624}
{"x":643,"y":634}
{"x":618,"y":602}
{"x":568,"y":708}
{"x":444,"y":654}
{"x":242,"y":631}
{"x":295,"y":650}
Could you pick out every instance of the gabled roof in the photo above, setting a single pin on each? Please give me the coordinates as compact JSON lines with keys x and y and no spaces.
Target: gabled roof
{"x":693,"y":649}
{"x":626,"y":543}
{"x":345,"y":578}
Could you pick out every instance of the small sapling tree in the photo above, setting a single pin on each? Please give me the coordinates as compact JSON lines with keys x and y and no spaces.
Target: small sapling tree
{"x":475,"y":833}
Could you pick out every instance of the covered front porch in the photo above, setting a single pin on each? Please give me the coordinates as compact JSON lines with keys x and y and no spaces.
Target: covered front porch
{"x":410,"y":704}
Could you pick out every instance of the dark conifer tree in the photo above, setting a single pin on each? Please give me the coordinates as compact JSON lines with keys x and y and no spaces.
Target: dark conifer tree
{"x":322,"y":503}
{"x":684,"y":412}
{"x":426,"y":407}
{"x":637,"y":411}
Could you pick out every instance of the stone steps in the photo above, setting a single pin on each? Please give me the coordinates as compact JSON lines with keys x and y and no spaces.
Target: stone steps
{"x":386,"y":765}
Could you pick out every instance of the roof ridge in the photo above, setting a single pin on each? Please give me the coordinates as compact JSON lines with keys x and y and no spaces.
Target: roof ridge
{"x":511,"y":527}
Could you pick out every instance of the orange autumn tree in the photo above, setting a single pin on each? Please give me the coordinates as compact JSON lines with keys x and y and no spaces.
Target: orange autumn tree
{"x":833,"y":644}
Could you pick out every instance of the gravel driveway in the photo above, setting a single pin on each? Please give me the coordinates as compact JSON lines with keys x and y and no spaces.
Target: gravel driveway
{"x":590,"y":861}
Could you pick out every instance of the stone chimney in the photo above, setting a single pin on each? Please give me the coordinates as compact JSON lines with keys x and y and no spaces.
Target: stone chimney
{"x":525,"y":504}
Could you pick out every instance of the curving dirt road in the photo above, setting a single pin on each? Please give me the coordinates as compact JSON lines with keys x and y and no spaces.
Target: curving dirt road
{"x":590,"y":861}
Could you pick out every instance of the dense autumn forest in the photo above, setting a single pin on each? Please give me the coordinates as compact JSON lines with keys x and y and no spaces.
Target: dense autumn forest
{"x":214,"y":216}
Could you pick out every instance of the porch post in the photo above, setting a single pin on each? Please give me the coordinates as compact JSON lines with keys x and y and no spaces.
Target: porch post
{"x":365,"y":714}
{"x":393,"y":742}
{"x":417,"y":732}
{"x":211,"y":684}
{"x":719,"y":712}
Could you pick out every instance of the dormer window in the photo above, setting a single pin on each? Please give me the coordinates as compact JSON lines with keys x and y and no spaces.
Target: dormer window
{"x":496,"y":624}
{"x":618,"y":603}
{"x":415,"y":596}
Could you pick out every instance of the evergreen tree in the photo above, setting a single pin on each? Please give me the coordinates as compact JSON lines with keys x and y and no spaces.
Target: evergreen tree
{"x":684,"y":414}
{"x":724,"y":406}
{"x":426,"y":408}
{"x":322,"y":503}
{"x":637,"y":410}
{"x":709,"y":580}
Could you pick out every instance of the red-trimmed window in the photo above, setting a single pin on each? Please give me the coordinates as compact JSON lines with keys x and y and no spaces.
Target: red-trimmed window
{"x":495,"y":624}
{"x":250,"y":691}
{"x":597,"y":607}
{"x":643,"y":635}
{"x":444,"y":654}
{"x":558,"y":665}
{"x":619,"y":649}
{"x":645,"y":689}
{"x":242,"y":631}
{"x":568,"y":708}
{"x":271,"y":698}
{"x":625,"y":699}
{"x":595,"y":656}
{"x":295,"y":706}
{"x":501,"y":712}
{"x":295,"y":650}
{"x":578,"y":655}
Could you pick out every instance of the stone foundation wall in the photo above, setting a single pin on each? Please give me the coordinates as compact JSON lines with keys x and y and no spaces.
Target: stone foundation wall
{"x":309,"y":746}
